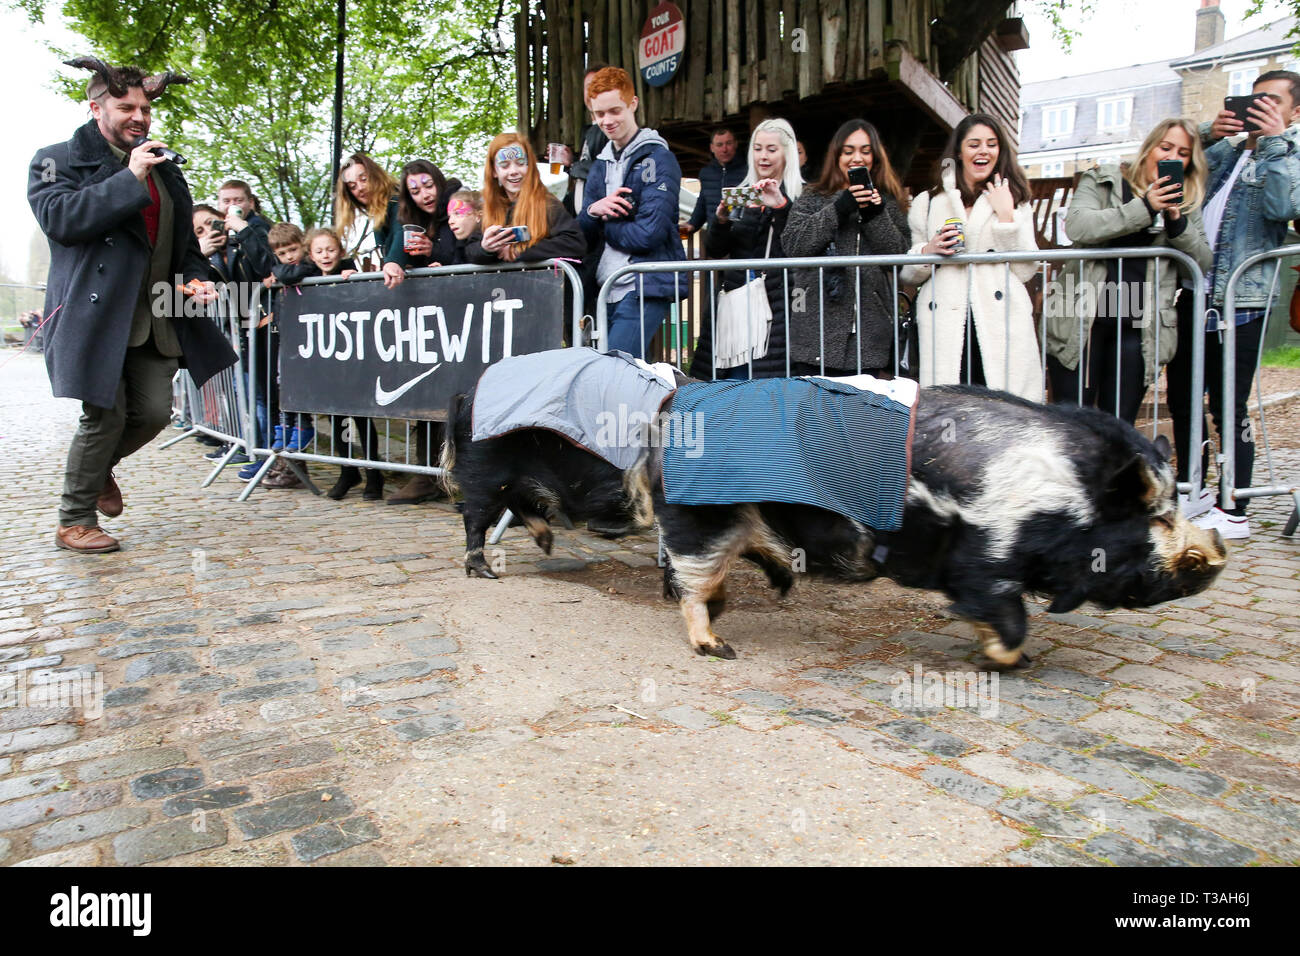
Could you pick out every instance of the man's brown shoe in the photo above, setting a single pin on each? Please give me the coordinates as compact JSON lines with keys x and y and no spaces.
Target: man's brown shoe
{"x":419,"y":489}
{"x":110,"y":498}
{"x":85,"y":540}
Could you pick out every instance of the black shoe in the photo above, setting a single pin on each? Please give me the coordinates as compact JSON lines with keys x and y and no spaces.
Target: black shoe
{"x":203,"y":439}
{"x":217,"y":453}
{"x":349,"y":478}
{"x":374,"y":490}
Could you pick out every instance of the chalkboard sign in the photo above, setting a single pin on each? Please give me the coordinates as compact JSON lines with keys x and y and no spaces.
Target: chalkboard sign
{"x":356,"y":348}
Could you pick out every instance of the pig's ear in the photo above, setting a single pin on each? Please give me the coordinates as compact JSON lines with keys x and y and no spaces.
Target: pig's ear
{"x":1137,"y":486}
{"x":1165,"y":452}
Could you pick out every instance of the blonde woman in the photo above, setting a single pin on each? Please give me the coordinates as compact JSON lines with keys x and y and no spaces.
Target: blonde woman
{"x":754,"y":232}
{"x":1097,"y":317}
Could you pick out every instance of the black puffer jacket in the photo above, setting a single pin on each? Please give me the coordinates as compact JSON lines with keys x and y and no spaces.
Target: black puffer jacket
{"x":817,"y":223}
{"x":744,"y":236}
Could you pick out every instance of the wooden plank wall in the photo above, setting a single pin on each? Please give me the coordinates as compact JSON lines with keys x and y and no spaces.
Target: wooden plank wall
{"x":999,"y":87}
{"x":739,"y":52}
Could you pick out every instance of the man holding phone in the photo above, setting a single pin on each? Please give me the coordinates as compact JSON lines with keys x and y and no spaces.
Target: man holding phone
{"x":1253,"y":193}
{"x":630,"y":215}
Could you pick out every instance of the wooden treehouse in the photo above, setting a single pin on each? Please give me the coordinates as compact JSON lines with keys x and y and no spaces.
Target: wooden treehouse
{"x":912,"y":67}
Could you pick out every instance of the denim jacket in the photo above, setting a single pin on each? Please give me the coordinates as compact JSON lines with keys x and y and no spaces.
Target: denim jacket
{"x":1265,"y":198}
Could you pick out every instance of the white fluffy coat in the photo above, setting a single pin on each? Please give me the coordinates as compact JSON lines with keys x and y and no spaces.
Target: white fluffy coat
{"x":986,"y":290}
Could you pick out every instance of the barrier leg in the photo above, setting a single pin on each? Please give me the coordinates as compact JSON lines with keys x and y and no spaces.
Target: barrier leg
{"x":500,"y":529}
{"x":257,"y":478}
{"x":225,"y":460}
{"x":188,"y":433}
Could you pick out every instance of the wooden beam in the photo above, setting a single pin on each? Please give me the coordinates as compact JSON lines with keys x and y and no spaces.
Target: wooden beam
{"x":753,"y":11}
{"x":875,"y":37}
{"x":924,"y":88}
{"x":717,"y":61}
{"x":733,"y":41}
{"x":521,"y":64}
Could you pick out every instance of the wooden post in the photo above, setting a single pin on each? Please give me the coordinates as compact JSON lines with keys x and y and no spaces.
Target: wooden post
{"x":875,"y":37}
{"x":732,"y":78}
{"x":717,"y":61}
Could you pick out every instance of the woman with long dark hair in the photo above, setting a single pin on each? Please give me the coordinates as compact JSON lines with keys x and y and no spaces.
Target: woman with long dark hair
{"x":976,"y":323}
{"x":832,"y":217}
{"x":423,"y":192}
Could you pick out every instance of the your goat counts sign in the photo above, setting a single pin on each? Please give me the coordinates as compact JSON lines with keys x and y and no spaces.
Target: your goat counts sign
{"x":663,"y":44}
{"x":356,"y":348}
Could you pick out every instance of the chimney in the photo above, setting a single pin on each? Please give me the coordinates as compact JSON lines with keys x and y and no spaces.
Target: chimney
{"x":1209,"y":25}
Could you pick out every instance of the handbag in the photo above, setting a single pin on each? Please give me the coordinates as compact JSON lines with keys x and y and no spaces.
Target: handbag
{"x":909,"y":339}
{"x":743,"y":325}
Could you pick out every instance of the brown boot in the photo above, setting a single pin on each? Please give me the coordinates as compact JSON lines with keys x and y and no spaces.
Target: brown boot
{"x":420,"y":488}
{"x":110,"y":498}
{"x":282,"y":476}
{"x":84,"y":540}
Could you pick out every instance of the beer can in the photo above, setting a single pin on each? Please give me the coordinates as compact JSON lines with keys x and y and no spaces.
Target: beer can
{"x":961,"y":233}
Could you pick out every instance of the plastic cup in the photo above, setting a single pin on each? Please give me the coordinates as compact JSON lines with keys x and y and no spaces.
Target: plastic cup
{"x":409,"y":232}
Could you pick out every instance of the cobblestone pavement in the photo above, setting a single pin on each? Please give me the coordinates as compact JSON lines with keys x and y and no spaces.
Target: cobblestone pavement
{"x":298,"y":681}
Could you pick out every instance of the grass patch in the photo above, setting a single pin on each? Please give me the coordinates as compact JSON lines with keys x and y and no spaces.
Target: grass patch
{"x":1284,"y":356}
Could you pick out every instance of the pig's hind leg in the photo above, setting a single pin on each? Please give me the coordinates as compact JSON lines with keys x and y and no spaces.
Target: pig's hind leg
{"x":478,"y":519}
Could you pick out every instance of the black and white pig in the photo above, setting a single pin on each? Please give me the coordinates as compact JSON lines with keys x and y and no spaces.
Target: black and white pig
{"x":548,"y":436}
{"x":1006,"y":498}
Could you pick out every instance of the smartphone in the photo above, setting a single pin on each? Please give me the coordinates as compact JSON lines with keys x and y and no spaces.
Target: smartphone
{"x":1173,"y":168}
{"x":518,"y":234}
{"x":860,"y":176}
{"x":734,"y":197}
{"x":1238,"y":106}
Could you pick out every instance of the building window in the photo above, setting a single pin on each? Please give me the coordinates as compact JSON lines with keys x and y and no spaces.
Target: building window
{"x":1114,"y":113}
{"x":1053,"y":169}
{"x":1241,"y":80}
{"x":1058,"y":120}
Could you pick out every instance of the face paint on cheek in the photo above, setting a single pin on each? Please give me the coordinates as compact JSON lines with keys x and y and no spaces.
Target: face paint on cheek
{"x":507,"y":155}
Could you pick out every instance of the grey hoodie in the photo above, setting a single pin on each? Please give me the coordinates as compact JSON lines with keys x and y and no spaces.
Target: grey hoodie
{"x":611,"y":260}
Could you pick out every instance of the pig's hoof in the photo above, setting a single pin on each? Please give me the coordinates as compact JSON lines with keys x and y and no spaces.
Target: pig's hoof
{"x":545,"y":540}
{"x":479,"y":571}
{"x":721,"y":650}
{"x":993,"y":648}
{"x":1024,"y":662}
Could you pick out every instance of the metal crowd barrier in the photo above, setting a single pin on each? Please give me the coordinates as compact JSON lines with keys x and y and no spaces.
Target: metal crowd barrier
{"x":671,"y":334}
{"x":219,"y":409}
{"x":1228,"y":492}
{"x":377,"y":453}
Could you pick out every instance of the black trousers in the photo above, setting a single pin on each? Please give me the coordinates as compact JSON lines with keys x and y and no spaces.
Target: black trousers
{"x":1099,"y":371}
{"x":1180,"y":393}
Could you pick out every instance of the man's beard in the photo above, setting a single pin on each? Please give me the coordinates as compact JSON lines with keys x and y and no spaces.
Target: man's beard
{"x":121,"y":137}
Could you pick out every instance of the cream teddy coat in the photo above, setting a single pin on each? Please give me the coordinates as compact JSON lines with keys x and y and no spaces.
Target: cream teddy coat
{"x":1003,"y":315}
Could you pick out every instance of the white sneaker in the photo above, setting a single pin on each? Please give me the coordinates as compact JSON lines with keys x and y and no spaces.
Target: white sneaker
{"x":1193,"y":508}
{"x":1231,"y":527}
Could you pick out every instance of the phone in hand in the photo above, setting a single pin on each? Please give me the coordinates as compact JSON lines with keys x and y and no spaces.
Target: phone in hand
{"x":1238,"y":105}
{"x":1173,"y":168}
{"x":860,"y":176}
{"x":734,"y":197}
{"x":517,"y":234}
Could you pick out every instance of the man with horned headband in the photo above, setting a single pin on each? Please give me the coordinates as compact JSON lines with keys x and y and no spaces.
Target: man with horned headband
{"x":117,"y":216}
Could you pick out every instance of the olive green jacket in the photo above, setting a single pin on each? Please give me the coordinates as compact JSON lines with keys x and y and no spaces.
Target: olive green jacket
{"x":1096,"y":216}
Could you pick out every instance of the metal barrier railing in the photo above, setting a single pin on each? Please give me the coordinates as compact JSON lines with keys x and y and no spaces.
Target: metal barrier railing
{"x":263,"y":393}
{"x":218,"y":409}
{"x":1228,"y":492}
{"x":1189,"y":267}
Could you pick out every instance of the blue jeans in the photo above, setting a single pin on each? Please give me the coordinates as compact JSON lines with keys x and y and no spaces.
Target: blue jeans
{"x":626,"y":333}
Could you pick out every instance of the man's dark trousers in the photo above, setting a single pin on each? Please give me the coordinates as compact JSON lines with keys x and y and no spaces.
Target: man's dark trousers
{"x":107,"y":435}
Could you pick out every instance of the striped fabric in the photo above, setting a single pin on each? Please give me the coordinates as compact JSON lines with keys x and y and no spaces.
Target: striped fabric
{"x":807,"y":441}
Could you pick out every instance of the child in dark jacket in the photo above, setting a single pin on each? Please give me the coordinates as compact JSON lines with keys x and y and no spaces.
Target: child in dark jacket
{"x":326,"y":259}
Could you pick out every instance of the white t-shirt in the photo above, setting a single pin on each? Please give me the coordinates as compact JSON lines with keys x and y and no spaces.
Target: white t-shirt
{"x":1212,"y":215}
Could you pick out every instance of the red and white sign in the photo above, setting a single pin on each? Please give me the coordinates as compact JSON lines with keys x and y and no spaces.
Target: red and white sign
{"x":662,"y":46}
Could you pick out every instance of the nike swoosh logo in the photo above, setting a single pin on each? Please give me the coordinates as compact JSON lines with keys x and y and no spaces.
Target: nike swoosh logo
{"x":385,"y":397}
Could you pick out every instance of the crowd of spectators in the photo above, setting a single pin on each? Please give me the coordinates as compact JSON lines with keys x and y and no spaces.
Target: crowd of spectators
{"x":765,"y":198}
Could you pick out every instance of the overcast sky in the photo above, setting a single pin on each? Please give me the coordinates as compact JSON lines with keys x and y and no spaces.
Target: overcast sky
{"x":1123,"y":32}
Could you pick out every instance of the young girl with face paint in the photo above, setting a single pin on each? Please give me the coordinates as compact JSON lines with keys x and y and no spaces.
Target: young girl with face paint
{"x":465,"y":217}
{"x":422,"y":201}
{"x":513,"y":195}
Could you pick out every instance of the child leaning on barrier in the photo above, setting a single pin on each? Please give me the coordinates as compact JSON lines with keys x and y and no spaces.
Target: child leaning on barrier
{"x":327,"y":259}
{"x":465,"y":216}
{"x":1125,"y":206}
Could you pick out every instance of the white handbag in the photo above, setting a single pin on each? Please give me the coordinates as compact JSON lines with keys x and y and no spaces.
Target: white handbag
{"x":743,"y":324}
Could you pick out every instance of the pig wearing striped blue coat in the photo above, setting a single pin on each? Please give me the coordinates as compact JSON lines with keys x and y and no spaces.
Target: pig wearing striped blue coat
{"x":1005,"y":498}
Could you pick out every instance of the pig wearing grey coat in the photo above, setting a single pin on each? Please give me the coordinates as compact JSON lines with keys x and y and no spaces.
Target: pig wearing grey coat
{"x":90,"y":207}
